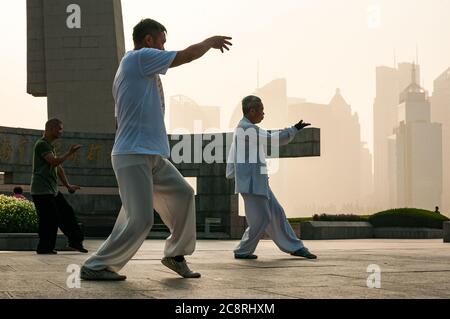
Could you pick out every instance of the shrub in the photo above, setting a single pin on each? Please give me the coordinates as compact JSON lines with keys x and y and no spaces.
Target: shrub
{"x":298,"y":220}
{"x":408,"y":217}
{"x":17,"y":216}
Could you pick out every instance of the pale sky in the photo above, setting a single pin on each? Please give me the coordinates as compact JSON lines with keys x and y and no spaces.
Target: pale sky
{"x":317,"y":45}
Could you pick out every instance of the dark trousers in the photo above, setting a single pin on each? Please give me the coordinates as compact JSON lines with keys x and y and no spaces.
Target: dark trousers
{"x":54,"y":212}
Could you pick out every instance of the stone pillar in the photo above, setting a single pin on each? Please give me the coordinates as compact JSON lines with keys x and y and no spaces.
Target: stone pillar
{"x":74,"y":49}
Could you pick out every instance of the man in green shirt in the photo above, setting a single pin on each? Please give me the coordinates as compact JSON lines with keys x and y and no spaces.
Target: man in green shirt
{"x":52,"y":208}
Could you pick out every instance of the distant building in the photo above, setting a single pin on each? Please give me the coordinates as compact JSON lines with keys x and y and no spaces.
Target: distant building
{"x":341,"y":178}
{"x":390,"y":82}
{"x":187,"y":115}
{"x":416,"y":151}
{"x":274,"y":96}
{"x":440,"y":113}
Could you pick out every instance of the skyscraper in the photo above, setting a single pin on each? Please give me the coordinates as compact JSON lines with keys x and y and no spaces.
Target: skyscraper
{"x":390,"y":82}
{"x":440,"y":113}
{"x":340,"y":180}
{"x":417,"y":153}
{"x":187,"y":115}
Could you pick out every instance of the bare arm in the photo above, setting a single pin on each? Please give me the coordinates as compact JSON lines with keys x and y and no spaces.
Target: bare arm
{"x":62,"y":176}
{"x":56,"y":161}
{"x":198,"y":50}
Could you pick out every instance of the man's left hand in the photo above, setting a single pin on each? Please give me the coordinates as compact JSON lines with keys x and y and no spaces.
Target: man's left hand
{"x":73,"y":188}
{"x":301,"y":125}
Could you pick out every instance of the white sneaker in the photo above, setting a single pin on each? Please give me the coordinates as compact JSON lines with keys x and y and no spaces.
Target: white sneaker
{"x":180,"y":268}
{"x":100,"y":275}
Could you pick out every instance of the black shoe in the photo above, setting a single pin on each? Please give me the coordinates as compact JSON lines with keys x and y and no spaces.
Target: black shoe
{"x":304,"y":252}
{"x":46,"y":252}
{"x":251,"y":256}
{"x":78,"y":247}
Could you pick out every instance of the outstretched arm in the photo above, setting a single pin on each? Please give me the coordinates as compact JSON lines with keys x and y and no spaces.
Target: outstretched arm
{"x":283,"y":136}
{"x":287,"y":135}
{"x":198,"y":50}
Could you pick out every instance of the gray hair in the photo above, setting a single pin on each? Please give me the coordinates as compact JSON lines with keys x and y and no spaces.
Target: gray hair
{"x":250,"y":102}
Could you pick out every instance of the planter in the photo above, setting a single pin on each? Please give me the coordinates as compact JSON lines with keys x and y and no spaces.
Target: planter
{"x":407,"y":233}
{"x":318,"y":230}
{"x":446,"y":231}
{"x":27,"y":242}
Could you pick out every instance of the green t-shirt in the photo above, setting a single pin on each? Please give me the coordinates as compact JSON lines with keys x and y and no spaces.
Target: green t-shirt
{"x":43,"y":180}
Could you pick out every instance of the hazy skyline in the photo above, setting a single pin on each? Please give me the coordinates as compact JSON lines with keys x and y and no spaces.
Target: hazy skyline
{"x":317,"y":46}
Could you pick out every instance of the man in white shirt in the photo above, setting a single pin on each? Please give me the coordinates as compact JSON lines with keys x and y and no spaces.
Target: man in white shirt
{"x":146,"y":178}
{"x":246,"y":164}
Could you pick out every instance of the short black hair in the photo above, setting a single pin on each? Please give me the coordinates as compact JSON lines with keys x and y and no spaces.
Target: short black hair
{"x":145,"y":27}
{"x":52,"y":123}
{"x":18,"y":190}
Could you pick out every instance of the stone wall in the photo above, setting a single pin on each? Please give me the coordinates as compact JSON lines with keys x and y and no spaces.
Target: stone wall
{"x":98,"y":203}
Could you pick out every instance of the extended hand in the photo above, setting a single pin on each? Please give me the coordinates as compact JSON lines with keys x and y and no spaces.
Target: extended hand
{"x":74,"y":148}
{"x":301,"y":125}
{"x":219,"y":42}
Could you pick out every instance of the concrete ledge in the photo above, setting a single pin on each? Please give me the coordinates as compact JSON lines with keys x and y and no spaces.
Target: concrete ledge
{"x":317,"y":230}
{"x":407,"y":233}
{"x":27,"y":242}
{"x":446,"y":232}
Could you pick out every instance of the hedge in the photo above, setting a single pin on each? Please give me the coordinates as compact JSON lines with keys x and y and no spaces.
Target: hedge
{"x":17,"y":216}
{"x":408,"y":217}
{"x":339,"y":218}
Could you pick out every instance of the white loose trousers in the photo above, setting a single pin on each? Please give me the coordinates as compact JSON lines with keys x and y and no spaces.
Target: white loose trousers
{"x":147,"y":182}
{"x":266,"y":216}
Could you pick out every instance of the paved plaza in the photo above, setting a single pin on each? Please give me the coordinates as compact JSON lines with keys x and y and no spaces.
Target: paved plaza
{"x":409,"y":269}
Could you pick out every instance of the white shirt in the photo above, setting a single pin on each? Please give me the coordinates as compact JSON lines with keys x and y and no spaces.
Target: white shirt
{"x":139,"y":100}
{"x":246,"y":162}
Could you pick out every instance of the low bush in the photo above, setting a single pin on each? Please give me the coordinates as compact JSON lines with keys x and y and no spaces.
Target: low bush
{"x":339,"y":218}
{"x":408,"y":217}
{"x":17,"y":216}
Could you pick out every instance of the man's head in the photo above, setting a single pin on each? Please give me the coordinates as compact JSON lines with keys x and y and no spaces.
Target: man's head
{"x":149,"y":34}
{"x":253,"y":109}
{"x":53,"y":129}
{"x":18,"y":190}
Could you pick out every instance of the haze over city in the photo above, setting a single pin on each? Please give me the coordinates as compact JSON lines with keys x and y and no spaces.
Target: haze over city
{"x":316,"y":46}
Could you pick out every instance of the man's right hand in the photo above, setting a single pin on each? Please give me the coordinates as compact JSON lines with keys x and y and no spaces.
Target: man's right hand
{"x":198,"y":50}
{"x":219,"y":42}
